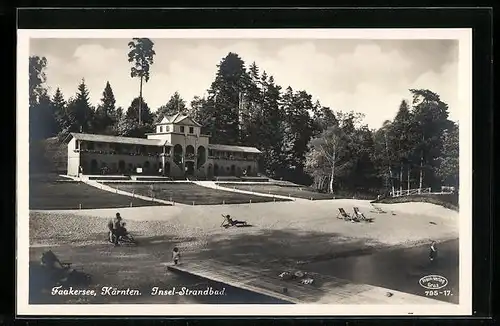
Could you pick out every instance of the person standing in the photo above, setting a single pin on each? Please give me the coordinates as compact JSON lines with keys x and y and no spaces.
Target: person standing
{"x":433,"y":251}
{"x":176,"y":256}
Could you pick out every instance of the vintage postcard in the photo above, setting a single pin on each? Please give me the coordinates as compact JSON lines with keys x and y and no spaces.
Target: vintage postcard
{"x":244,"y":172}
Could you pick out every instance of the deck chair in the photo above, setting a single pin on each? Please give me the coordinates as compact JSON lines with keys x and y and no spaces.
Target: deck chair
{"x":343,"y":214}
{"x":228,"y":222}
{"x":377,"y":210}
{"x":359,"y":215}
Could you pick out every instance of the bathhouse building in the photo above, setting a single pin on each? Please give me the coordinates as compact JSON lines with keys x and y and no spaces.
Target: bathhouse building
{"x":177,"y":148}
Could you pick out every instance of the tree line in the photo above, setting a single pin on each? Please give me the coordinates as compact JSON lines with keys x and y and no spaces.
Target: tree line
{"x":301,"y":140}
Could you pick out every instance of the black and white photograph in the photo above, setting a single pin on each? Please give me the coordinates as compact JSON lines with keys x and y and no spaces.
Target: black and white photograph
{"x":244,"y":172}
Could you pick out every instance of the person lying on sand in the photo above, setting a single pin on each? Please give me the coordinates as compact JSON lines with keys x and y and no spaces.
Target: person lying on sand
{"x":230,"y":222}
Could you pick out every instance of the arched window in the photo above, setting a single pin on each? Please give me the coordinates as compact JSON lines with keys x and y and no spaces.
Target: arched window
{"x":178,"y":154}
{"x":201,"y":156}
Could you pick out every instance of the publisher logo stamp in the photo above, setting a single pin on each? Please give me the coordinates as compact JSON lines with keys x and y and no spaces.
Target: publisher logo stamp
{"x":433,"y":282}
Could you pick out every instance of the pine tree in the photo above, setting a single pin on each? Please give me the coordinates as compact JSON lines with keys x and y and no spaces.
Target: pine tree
{"x":298,"y":130}
{"x":81,"y":111}
{"x":105,"y":116}
{"x":197,"y":106}
{"x":430,"y":116}
{"x":37,"y":79}
{"x":129,"y":123}
{"x":403,"y":137}
{"x":231,"y":81}
{"x":270,"y":128}
{"x":251,"y":109}
{"x":42,"y":121}
{"x":60,"y":110}
{"x":449,"y":160}
{"x":141,"y":56}
{"x":175,"y":105}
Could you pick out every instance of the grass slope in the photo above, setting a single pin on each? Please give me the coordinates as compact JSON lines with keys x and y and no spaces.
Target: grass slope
{"x":62,"y":194}
{"x":293,"y":191}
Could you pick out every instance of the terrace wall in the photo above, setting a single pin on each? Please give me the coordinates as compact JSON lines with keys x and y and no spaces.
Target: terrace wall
{"x":112,"y":161}
{"x":224,"y":167}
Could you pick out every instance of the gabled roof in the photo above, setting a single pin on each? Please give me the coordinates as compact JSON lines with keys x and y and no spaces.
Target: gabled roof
{"x":119,"y":139}
{"x":178,"y":118}
{"x":231,"y":148}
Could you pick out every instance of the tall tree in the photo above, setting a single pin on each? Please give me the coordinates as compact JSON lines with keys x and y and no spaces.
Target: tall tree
{"x":269,"y":128}
{"x":431,"y":120}
{"x":60,"y":110}
{"x":42,"y":120}
{"x":175,"y":104}
{"x":37,"y":78}
{"x":147,"y":117}
{"x":323,"y":118}
{"x":141,"y":56}
{"x":129,"y":126}
{"x":197,"y":106}
{"x":403,"y":137}
{"x":226,"y":91}
{"x":298,"y":130}
{"x":448,"y":170}
{"x":327,"y":157}
{"x":251,"y":108}
{"x":383,"y":156}
{"x":105,"y":116}
{"x":80,"y":110}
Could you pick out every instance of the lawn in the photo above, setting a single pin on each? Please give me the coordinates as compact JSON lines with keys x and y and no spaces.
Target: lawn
{"x":297,"y":192}
{"x":63,"y":194}
{"x":189,"y":193}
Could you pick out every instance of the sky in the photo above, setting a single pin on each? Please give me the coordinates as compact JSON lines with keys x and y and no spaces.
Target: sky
{"x":367,"y":76}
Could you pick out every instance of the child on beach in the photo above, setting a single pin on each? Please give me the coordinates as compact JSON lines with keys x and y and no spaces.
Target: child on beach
{"x":176,"y":255}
